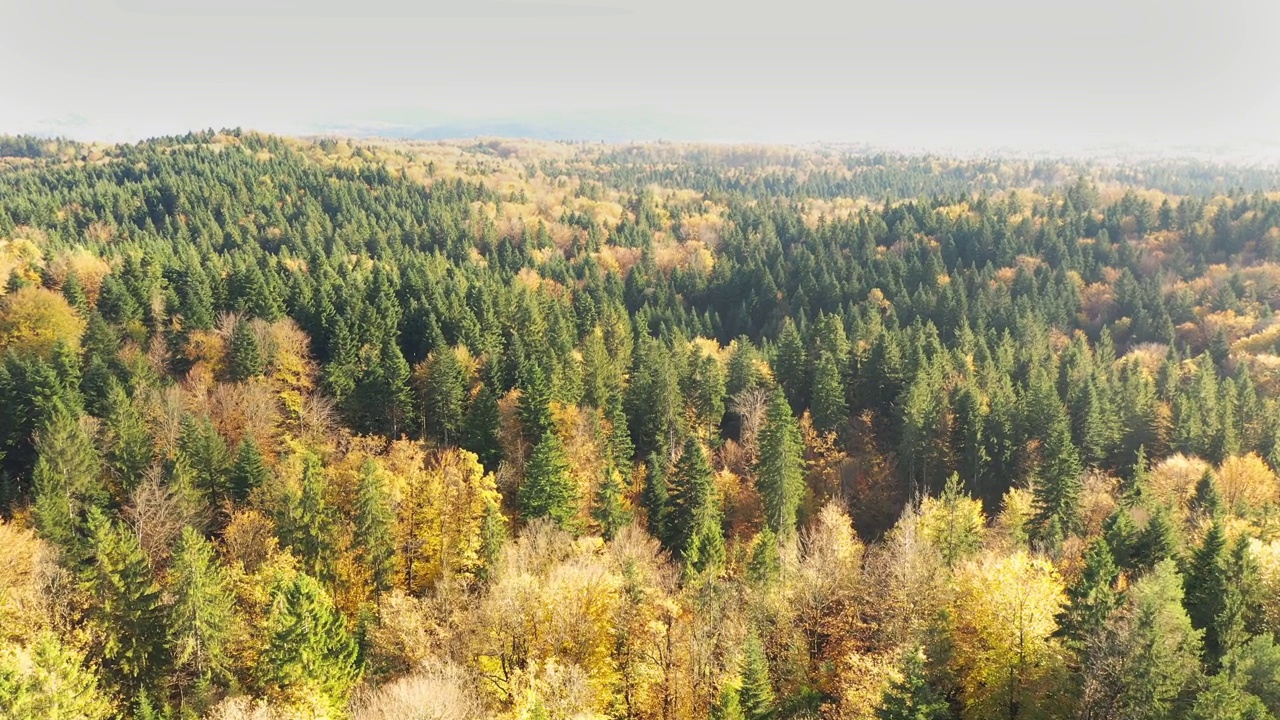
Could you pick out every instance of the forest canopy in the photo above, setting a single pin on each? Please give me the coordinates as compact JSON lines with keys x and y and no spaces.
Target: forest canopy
{"x":501,"y":429}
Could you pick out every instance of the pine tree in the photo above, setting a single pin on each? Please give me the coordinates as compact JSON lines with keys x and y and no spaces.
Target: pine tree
{"x":912,"y":697}
{"x":610,"y":509}
{"x":757,"y":690}
{"x":444,"y":393}
{"x":374,"y":517}
{"x":1207,"y":583}
{"x":694,"y":520}
{"x":1091,"y":598}
{"x":310,"y":657}
{"x":493,"y":537}
{"x":655,"y":498}
{"x":130,"y":449}
{"x":480,"y":428}
{"x":790,"y":366}
{"x":66,"y":483}
{"x":127,"y":608}
{"x":830,"y":413}
{"x":780,"y":466}
{"x":249,"y":471}
{"x":548,"y":489}
{"x":1058,"y":485}
{"x":245,"y":359}
{"x":200,"y":617}
{"x":307,"y":523}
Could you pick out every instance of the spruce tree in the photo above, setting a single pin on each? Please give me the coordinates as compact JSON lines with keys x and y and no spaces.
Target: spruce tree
{"x":444,"y":395}
{"x":480,"y":428}
{"x":757,"y":689}
{"x":1207,"y":583}
{"x":1058,"y":484}
{"x":248,"y":472}
{"x":693,"y":526}
{"x":548,"y":489}
{"x":1091,"y":598}
{"x":307,"y":522}
{"x":245,"y":358}
{"x":66,"y":483}
{"x":780,"y":466}
{"x":200,"y":617}
{"x":912,"y":697}
{"x":728,"y":705}
{"x":127,"y":608}
{"x":655,"y":498}
{"x":790,"y":366}
{"x":374,"y":517}
{"x":130,"y":449}
{"x":493,"y":537}
{"x":830,"y":413}
{"x":310,"y":657}
{"x":206,"y":453}
{"x":610,"y":509}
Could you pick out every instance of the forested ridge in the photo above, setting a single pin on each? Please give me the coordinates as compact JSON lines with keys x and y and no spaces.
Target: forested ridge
{"x":502,"y":429}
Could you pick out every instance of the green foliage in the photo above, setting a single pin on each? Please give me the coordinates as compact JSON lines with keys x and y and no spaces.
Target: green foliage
{"x":780,"y":466}
{"x":245,"y":358}
{"x":49,"y":681}
{"x":1092,"y":597}
{"x":610,"y":509}
{"x":200,"y":617}
{"x":249,"y":471}
{"x":310,"y":658}
{"x":444,"y":394}
{"x":374,"y":516}
{"x":912,"y":697}
{"x":548,"y":489}
{"x":756,"y":696}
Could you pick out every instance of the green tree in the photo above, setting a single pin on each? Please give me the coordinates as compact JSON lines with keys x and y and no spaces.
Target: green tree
{"x":610,"y":509}
{"x":790,"y":366}
{"x":728,"y":705}
{"x":757,"y":689}
{"x":912,"y":697}
{"x":480,"y":428}
{"x":129,"y":448}
{"x":1091,"y":598}
{"x":694,"y":520}
{"x":1058,"y":484}
{"x":1207,"y":584}
{"x":245,"y":357}
{"x":206,"y":453}
{"x":127,"y":609}
{"x":310,"y":658}
{"x":200,"y":618}
{"x":248,"y":472}
{"x":374,"y":517}
{"x":830,"y":413}
{"x":780,"y":466}
{"x":548,"y":489}
{"x":655,"y":498}
{"x":66,"y":483}
{"x":49,"y":681}
{"x":307,"y":523}
{"x":444,"y":393}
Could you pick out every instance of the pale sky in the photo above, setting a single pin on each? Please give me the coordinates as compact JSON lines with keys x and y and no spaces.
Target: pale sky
{"x":912,"y":74}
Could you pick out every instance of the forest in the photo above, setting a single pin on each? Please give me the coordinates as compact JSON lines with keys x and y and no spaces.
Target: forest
{"x":383,"y":430}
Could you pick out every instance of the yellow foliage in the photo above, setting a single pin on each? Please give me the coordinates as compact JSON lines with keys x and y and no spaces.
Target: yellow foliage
{"x":1003,"y":626}
{"x":33,"y":320}
{"x":1247,"y":484}
{"x":27,"y":565}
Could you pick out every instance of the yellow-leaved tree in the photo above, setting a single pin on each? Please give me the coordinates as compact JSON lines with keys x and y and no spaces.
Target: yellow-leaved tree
{"x":34,"y":320}
{"x":1006,"y":661}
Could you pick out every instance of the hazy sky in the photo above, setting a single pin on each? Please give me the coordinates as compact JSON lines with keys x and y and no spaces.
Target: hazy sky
{"x":907,"y":73}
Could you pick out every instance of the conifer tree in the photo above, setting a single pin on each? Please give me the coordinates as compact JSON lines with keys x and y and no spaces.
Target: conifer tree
{"x":757,"y":689}
{"x":130,"y":450}
{"x":830,"y":413}
{"x":693,"y":522}
{"x":245,"y":359}
{"x":480,"y":428}
{"x":1207,"y":584}
{"x":50,"y":681}
{"x":535,"y":404}
{"x":610,"y":509}
{"x":1091,"y":598}
{"x":655,"y":498}
{"x":310,"y":658}
{"x":728,"y":705}
{"x":912,"y":697}
{"x":444,"y":394}
{"x":780,"y":466}
{"x":248,"y":472}
{"x":307,"y":522}
{"x":200,"y":617}
{"x":493,"y":537}
{"x":791,"y":366}
{"x":548,"y":489}
{"x":127,"y":608}
{"x":1058,"y":484}
{"x":206,"y":453}
{"x":374,"y":517}
{"x":66,"y":483}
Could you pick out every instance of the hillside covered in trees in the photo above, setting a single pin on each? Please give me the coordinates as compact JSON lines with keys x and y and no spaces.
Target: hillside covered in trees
{"x":322,"y":429}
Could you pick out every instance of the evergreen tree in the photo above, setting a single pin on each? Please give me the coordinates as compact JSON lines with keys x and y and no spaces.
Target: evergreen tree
{"x":766,"y":562}
{"x":728,"y":705}
{"x":535,"y":404}
{"x":374,"y":518}
{"x":127,"y":608}
{"x":480,"y":428}
{"x":444,"y":394}
{"x":1058,"y":484}
{"x":50,"y":681}
{"x":1207,"y":584}
{"x":654,"y":496}
{"x":307,"y":522}
{"x":610,"y":509}
{"x":912,"y":697}
{"x":248,"y":472}
{"x":757,"y":689}
{"x":200,"y":617}
{"x":790,"y":366}
{"x":493,"y":537}
{"x":694,"y":521}
{"x":66,"y":483}
{"x":206,"y":453}
{"x":830,"y":413}
{"x":1091,"y":598}
{"x":548,"y":489}
{"x":245,"y":357}
{"x":780,"y":466}
{"x":310,"y":657}
{"x":130,"y":450}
